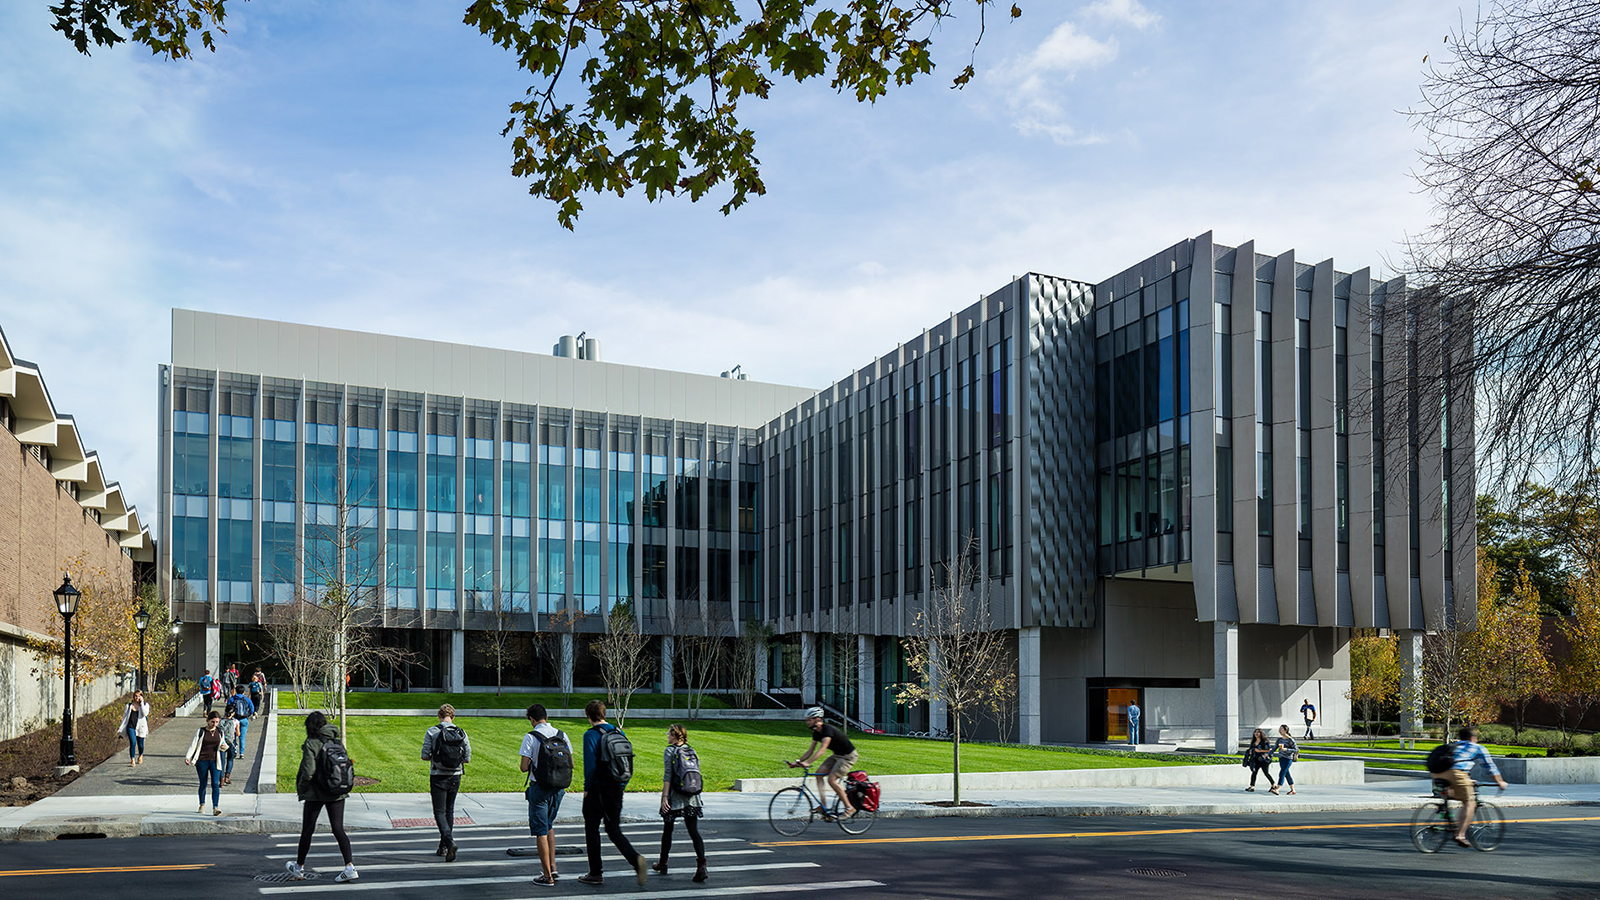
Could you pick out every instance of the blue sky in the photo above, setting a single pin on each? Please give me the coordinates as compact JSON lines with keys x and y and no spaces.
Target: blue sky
{"x":341,"y":164}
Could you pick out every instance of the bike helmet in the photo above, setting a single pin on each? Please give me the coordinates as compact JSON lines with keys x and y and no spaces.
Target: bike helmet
{"x":814,"y":712}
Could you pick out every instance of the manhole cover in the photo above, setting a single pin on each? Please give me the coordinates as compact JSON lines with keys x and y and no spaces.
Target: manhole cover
{"x":1157,"y":873}
{"x":284,"y":877}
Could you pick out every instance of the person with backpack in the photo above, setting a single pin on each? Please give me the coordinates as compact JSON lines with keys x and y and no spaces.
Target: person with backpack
{"x":242,"y":711}
{"x":230,"y":677}
{"x":230,"y":733}
{"x":447,"y":750}
{"x":324,"y":781}
{"x":1288,"y":751}
{"x":1460,"y":757}
{"x":681,"y":784}
{"x":205,"y":750}
{"x":135,"y":727}
{"x":607,"y":768}
{"x":1258,"y":756}
{"x":258,"y":690}
{"x":207,"y":683}
{"x":825,"y":738}
{"x":547,"y":758}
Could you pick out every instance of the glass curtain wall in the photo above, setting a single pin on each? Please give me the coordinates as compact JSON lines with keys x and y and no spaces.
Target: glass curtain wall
{"x":477,"y":508}
{"x":439,"y":555}
{"x":687,"y":515}
{"x":516,"y":510}
{"x":588,"y":473}
{"x":619,"y":530}
{"x":551,"y":562}
{"x":363,"y":572}
{"x":719,"y":522}
{"x":235,"y":493}
{"x":750,"y":529}
{"x":653,"y":590}
{"x":402,"y":501}
{"x":279,"y":474}
{"x":191,"y":491}
{"x":321,"y":487}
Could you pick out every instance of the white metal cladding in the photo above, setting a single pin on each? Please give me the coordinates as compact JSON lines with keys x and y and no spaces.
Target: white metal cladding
{"x":1061,"y":468}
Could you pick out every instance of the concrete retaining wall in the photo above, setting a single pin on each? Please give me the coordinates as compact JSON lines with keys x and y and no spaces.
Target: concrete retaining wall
{"x":1557,"y":770}
{"x":1223,"y":774}
{"x":761,"y":715}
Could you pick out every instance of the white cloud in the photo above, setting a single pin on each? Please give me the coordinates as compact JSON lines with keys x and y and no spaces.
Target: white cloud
{"x":1127,"y":12}
{"x":1068,"y":50}
{"x":1033,"y":82}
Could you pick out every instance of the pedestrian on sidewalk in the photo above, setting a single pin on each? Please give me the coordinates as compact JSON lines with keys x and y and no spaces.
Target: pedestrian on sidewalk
{"x":1258,"y":756}
{"x":135,"y":727}
{"x":321,"y":747}
{"x":1288,"y":751}
{"x":546,"y":756}
{"x":230,"y":733}
{"x":447,"y":750}
{"x":206,"y":684}
{"x":607,"y":767}
{"x":205,"y":751}
{"x":258,"y":690}
{"x":1309,"y":713}
{"x":242,"y":710}
{"x":681,"y":784}
{"x":1133,"y":724}
{"x":230,"y":677}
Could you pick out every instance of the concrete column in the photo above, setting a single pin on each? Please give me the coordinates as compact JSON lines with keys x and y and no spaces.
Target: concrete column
{"x":1410,"y":684}
{"x":564,"y":668}
{"x":1030,"y":723}
{"x":867,"y":678}
{"x":458,"y":662}
{"x":808,"y":667}
{"x":1225,"y":672}
{"x":667,"y":645}
{"x":213,"y":660}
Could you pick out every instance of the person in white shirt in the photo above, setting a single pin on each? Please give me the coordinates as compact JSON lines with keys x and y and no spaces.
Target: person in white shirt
{"x":135,"y":727}
{"x":543,"y":793}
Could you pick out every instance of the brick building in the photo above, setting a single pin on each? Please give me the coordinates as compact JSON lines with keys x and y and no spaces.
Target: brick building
{"x":55,"y":503}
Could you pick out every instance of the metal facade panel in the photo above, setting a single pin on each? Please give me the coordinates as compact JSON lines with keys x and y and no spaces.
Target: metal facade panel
{"x":1246,"y":554}
{"x":1430,"y":473}
{"x":1203,"y":434}
{"x":1324,"y":445}
{"x":1285,"y":444}
{"x":1463,"y":483}
{"x":1366,"y":599}
{"x":1396,"y":467}
{"x":1061,"y":470}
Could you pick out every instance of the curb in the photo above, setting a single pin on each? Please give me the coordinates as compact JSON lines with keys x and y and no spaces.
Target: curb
{"x":267,"y":774}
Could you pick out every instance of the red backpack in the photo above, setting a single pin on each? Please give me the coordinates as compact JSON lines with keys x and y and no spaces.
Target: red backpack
{"x":864,"y":794}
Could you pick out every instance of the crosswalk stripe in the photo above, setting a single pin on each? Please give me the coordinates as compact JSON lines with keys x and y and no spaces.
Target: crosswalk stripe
{"x":525,"y":860}
{"x":460,"y":829}
{"x":433,"y":839}
{"x":749,"y":889}
{"x":319,"y":885}
{"x":531,"y":864}
{"x":331,"y":848}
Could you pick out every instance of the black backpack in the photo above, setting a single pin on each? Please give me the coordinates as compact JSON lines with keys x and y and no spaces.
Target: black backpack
{"x":552,"y":768}
{"x":335,"y":774}
{"x":686,"y":778}
{"x":616,"y":756}
{"x":450,"y":747}
{"x":1442,"y":759}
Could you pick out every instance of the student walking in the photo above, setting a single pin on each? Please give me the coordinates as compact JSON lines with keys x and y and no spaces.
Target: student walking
{"x":546,"y":756}
{"x":681,"y":784}
{"x":205,"y":751}
{"x":607,"y":767}
{"x":206,"y":684}
{"x":447,"y":750}
{"x":230,"y":677}
{"x":323,"y":782}
{"x":1288,"y":751}
{"x":1258,"y":756}
{"x":258,"y":690}
{"x":242,"y":710}
{"x":1308,"y":711}
{"x":230,"y":733}
{"x":135,"y":727}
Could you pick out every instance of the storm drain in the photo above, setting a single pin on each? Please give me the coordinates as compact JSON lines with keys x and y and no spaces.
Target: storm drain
{"x":1157,"y":873}
{"x":284,"y":877}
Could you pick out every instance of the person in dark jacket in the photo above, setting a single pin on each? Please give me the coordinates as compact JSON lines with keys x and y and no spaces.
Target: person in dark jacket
{"x":676,"y":804}
{"x":318,"y":731}
{"x":1259,"y":758}
{"x":602,"y":801}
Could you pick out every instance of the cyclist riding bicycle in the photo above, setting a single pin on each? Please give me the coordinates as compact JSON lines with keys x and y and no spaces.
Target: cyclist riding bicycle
{"x":1468,"y":752}
{"x":825,"y":737}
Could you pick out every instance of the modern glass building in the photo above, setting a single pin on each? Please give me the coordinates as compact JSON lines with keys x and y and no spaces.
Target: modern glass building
{"x":1170,"y":500}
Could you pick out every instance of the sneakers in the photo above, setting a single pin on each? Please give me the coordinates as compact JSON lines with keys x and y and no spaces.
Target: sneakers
{"x":450,"y":852}
{"x":349,"y":874}
{"x":216,"y":812}
{"x":296,"y":871}
{"x":545,"y":881}
{"x":641,"y":867}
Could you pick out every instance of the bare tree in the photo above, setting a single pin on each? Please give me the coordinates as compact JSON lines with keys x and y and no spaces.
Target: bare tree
{"x":844,"y":669}
{"x":703,"y":650}
{"x":955,"y":652}
{"x":547,"y":643}
{"x":507,"y":645}
{"x":300,"y":634}
{"x":748,"y":655}
{"x":1511,"y":116}
{"x":623,"y":656}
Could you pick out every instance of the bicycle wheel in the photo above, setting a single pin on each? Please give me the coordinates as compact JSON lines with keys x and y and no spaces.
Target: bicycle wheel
{"x":789,"y":811}
{"x":1488,"y":827}
{"x":1430,"y":828}
{"x":858,"y":823}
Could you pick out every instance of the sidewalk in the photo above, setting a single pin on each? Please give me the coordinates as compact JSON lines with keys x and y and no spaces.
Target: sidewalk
{"x":169,"y":814}
{"x":163,"y":771}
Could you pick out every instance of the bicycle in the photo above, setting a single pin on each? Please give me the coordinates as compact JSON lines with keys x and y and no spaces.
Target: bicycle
{"x":791,"y":810}
{"x":1434,"y":821}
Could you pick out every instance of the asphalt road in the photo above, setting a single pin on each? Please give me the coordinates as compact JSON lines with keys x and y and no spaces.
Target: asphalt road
{"x":1549,"y":853}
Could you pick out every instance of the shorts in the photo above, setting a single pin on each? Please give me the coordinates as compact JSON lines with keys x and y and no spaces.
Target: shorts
{"x":1460,"y":782}
{"x":543,"y":804}
{"x":838,"y":764}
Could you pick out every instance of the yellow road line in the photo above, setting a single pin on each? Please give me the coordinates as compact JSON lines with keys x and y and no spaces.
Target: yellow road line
{"x":1146,"y":833}
{"x":172,"y":868}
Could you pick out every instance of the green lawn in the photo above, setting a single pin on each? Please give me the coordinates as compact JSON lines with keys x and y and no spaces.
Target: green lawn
{"x":391,"y":700}
{"x":389,"y":748}
{"x":1424,"y":746}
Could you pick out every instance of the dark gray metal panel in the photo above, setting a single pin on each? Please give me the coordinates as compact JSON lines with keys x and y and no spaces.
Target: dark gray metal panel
{"x":1227,"y":595}
{"x":1305,"y":600}
{"x":1061,"y":466}
{"x":1344,"y":615}
{"x":1285,"y":446}
{"x":1246,"y":556}
{"x":1267,"y":596}
{"x":1396,"y":467}
{"x":1366,"y":599}
{"x":1463,"y":480}
{"x":1203,"y":434}
{"x":1322,"y":420}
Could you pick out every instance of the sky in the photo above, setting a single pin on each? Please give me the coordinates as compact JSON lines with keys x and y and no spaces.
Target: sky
{"x":341,"y":164}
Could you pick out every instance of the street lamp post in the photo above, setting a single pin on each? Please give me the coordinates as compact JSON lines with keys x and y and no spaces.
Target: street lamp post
{"x":67,"y":604}
{"x":177,"y":651}
{"x":141,"y":620}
